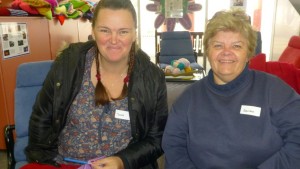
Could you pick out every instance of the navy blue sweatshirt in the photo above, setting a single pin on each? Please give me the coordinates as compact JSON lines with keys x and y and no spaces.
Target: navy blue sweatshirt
{"x":253,"y":122}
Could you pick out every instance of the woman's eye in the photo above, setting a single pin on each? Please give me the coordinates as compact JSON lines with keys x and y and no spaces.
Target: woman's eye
{"x":217,"y":46}
{"x":123,"y":32}
{"x":104,"y":31}
{"x":237,"y":46}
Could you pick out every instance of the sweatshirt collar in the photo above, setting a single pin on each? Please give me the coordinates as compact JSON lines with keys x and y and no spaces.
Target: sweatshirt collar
{"x":232,"y":86}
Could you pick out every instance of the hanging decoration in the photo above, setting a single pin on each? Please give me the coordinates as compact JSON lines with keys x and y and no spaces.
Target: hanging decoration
{"x":172,"y":11}
{"x":60,"y":9}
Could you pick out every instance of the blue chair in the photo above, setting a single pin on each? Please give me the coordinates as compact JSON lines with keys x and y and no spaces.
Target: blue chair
{"x":176,"y":45}
{"x":29,"y":80}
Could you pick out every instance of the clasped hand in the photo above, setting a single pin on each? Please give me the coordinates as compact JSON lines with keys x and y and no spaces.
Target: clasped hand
{"x":112,"y":162}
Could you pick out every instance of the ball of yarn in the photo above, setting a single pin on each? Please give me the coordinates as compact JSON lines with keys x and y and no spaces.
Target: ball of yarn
{"x":188,"y":69}
{"x":177,"y":64}
{"x":181,"y":66}
{"x":176,"y":71}
{"x":174,"y":63}
{"x":185,"y":62}
{"x":169,"y":69}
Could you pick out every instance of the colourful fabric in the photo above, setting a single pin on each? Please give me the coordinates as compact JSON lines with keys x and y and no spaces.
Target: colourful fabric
{"x":16,"y":12}
{"x":61,"y":19}
{"x":4,"y":11}
{"x":50,"y":8}
{"x":287,"y":72}
{"x":43,"y":7}
{"x":19,"y":4}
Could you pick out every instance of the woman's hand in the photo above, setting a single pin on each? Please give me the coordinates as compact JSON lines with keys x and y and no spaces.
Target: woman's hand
{"x":112,"y":162}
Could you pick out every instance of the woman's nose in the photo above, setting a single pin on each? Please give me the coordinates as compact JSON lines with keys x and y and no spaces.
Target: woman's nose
{"x":226,"y":51}
{"x":114,"y":38}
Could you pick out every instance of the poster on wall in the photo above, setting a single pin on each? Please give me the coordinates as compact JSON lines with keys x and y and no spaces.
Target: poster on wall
{"x":14,"y":39}
{"x":173,"y":8}
{"x":239,"y":3}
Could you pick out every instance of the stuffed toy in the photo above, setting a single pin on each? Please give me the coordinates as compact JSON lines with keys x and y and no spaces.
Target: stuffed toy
{"x":179,"y":66}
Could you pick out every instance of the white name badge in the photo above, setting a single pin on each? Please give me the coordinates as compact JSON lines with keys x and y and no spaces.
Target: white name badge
{"x":121,"y":114}
{"x":250,"y":110}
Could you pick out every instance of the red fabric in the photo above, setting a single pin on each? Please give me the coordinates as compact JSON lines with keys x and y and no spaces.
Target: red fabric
{"x":258,"y":62}
{"x":4,"y":11}
{"x":61,"y":19}
{"x":43,"y":166}
{"x":287,"y":72}
{"x":295,"y":42}
{"x":19,"y":4}
{"x":291,"y":54}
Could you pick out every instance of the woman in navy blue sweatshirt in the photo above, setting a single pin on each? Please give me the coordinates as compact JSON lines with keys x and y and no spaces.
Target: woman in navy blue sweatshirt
{"x":234,"y":118}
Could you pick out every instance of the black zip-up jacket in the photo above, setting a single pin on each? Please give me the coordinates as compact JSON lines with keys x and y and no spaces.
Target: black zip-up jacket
{"x":147,"y":104}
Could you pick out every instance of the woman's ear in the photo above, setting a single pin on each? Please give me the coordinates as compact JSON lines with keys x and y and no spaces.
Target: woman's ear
{"x":91,"y":37}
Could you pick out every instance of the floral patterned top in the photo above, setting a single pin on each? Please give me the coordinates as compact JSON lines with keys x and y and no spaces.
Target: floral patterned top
{"x":93,"y":131}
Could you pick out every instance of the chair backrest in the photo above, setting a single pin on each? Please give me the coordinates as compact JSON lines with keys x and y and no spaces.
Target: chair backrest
{"x":175,"y":45}
{"x":286,"y":71}
{"x":30,"y":78}
{"x":291,"y":54}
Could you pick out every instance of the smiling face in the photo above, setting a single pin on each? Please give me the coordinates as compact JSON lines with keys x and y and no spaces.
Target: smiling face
{"x":227,"y":54}
{"x":114,"y":32}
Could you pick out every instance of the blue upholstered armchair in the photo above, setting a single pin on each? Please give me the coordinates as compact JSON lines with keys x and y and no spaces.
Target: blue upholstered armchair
{"x":176,"y":45}
{"x":30,"y":77}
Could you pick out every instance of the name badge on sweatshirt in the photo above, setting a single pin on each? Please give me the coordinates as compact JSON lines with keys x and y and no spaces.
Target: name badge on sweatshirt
{"x":250,"y":110}
{"x":121,"y":114}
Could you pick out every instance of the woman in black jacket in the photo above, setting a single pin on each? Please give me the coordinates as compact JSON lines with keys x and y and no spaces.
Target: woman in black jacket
{"x":101,"y":98}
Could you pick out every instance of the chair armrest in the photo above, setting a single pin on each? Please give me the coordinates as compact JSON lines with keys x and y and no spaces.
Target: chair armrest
{"x":196,"y":56}
{"x":157,"y":58}
{"x":10,"y":142}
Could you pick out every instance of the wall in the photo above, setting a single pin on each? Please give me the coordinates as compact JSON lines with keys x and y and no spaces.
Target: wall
{"x":286,"y":24}
{"x":71,"y":31}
